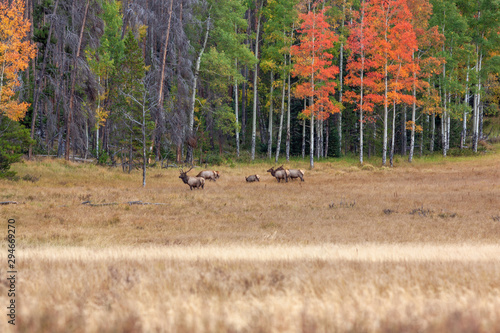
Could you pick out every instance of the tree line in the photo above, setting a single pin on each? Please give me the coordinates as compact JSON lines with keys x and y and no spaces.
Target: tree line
{"x":148,"y":80}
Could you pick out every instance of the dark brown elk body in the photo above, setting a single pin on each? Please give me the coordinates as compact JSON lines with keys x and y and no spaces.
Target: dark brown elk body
{"x":209,"y":174}
{"x":279,"y":174}
{"x":253,"y":178}
{"x":294,"y":173}
{"x":195,"y":182}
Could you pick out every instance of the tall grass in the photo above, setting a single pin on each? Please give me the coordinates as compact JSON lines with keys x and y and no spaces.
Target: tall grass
{"x":352,"y":249}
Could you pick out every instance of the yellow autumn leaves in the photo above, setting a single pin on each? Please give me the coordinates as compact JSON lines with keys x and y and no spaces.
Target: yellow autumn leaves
{"x":15,"y":54}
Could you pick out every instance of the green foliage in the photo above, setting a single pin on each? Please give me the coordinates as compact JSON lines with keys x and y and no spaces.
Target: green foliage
{"x":225,"y":120}
{"x":14,"y":139}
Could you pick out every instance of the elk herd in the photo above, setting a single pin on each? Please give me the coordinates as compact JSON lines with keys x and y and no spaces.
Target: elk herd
{"x":279,"y":173}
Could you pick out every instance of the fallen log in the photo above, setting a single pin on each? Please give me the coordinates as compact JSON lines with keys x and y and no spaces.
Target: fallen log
{"x":98,"y":205}
{"x":88,"y":203}
{"x":8,"y":203}
{"x":144,"y":203}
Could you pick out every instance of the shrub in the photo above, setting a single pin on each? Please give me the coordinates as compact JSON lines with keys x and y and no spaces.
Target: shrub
{"x":14,"y":139}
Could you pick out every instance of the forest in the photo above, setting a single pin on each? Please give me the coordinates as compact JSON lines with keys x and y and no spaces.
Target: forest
{"x":200,"y":81}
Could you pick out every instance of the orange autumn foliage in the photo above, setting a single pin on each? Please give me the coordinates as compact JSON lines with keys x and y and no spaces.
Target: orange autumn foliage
{"x":15,"y":53}
{"x":313,"y":63}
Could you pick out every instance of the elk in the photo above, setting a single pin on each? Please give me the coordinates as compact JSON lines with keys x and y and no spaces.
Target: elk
{"x":294,"y":173}
{"x":252,"y":178}
{"x":279,"y":174}
{"x":209,"y":174}
{"x":195,"y":182}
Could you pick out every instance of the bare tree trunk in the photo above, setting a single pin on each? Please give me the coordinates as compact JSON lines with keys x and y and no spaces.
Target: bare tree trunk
{"x":236,"y":112}
{"x":254,"y":113}
{"x":278,"y":145}
{"x":341,"y":78}
{"x":413,"y":115}
{"x":393,"y":134}
{"x":288,"y":123}
{"x":288,"y":105}
{"x":38,"y":82}
{"x":394,"y":119}
{"x":477,"y":102}
{"x":433,"y":133}
{"x":386,"y":112}
{"x":69,"y":119}
{"x":271,"y":113}
{"x":162,"y":79}
{"x":189,"y":154}
{"x":244,"y":105}
{"x":304,"y":135}
{"x":362,"y":87}
{"x":143,"y":128}
{"x":466,"y":108}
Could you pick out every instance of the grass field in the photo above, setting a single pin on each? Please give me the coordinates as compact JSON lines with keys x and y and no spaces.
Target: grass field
{"x":351,"y":249}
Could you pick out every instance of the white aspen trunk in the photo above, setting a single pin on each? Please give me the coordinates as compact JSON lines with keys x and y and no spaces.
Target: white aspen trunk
{"x":288,"y":105}
{"x":386,"y":111}
{"x":361,"y":75}
{"x":288,"y":123}
{"x":422,"y":135}
{"x":143,"y":127}
{"x":236,"y":112}
{"x":341,"y":75}
{"x":278,"y":144}
{"x":270,"y":124}
{"x":433,"y":132}
{"x":311,"y":146}
{"x":413,"y":113}
{"x":444,"y":115}
{"x":189,"y":153}
{"x":477,"y":102}
{"x":311,"y":157}
{"x":254,"y":112}
{"x":304,"y":135}
{"x":466,"y":104}
{"x":318,"y":138}
{"x":393,"y":134}
{"x":443,"y":98}
{"x":448,"y":122}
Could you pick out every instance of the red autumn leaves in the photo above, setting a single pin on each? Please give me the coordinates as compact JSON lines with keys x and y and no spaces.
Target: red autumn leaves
{"x":383,"y":65}
{"x":314,"y":64}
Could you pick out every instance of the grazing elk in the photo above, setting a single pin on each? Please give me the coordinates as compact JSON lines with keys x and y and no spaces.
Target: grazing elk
{"x":195,"y":182}
{"x":279,"y":174}
{"x":294,"y":173}
{"x":252,"y":178}
{"x":209,"y":174}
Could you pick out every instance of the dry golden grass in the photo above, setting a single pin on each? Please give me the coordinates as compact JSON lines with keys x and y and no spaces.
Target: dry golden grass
{"x":451,"y":202}
{"x":166,"y":289}
{"x":351,"y":249}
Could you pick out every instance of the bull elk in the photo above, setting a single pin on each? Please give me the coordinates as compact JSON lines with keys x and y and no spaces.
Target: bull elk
{"x":195,"y":182}
{"x":294,"y":173}
{"x":279,"y":174}
{"x":252,"y":178}
{"x":209,"y":174}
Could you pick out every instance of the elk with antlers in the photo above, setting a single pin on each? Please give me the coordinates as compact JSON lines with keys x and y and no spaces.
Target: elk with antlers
{"x":279,"y":174}
{"x":195,"y":182}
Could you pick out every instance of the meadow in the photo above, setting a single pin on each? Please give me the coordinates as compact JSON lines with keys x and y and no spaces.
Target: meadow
{"x":350,"y":249}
